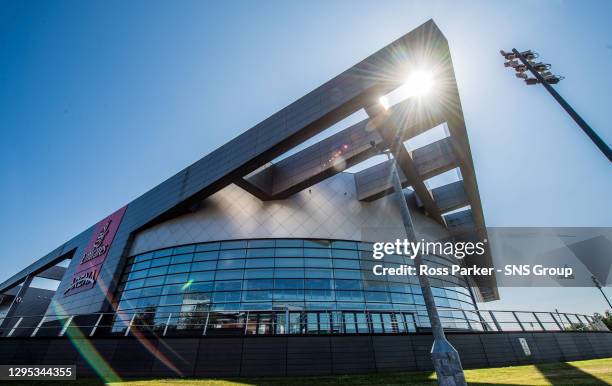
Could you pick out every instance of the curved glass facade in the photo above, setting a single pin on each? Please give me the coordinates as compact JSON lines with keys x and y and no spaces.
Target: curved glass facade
{"x":281,"y":274}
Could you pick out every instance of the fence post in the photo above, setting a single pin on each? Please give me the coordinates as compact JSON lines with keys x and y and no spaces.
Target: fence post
{"x":518,"y":320}
{"x":127,"y":330}
{"x":15,"y":326}
{"x":494,"y":319}
{"x":42,"y":320}
{"x":539,"y":322}
{"x":206,"y":323}
{"x":167,"y":323}
{"x":95,"y":327}
{"x":65,"y":327}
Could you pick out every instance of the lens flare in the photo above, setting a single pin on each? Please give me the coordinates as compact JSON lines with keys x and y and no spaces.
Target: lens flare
{"x":418,"y":84}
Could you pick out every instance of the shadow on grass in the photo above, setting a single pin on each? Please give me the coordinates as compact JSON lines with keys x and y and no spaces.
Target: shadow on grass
{"x":565,"y":373}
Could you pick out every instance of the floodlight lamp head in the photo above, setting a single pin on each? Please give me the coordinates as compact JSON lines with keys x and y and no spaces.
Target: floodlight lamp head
{"x":530,"y":55}
{"x":507,"y":55}
{"x":511,"y":63}
{"x":541,"y":66}
{"x":531,"y":81}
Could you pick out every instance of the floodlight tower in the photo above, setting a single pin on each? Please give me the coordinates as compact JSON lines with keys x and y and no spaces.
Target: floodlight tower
{"x":542,"y":75}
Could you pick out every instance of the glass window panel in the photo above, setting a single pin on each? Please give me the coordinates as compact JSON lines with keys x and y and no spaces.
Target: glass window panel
{"x":182,"y":259}
{"x":347,"y":274}
{"x":288,"y":262}
{"x":258,"y":284}
{"x":229,"y":274}
{"x":230,"y":264}
{"x":401,"y":298}
{"x":260,"y":253}
{"x":151,"y":281}
{"x":289,"y":283}
{"x":320,"y":263}
{"x":232,"y":254}
{"x":161,"y":261}
{"x":172,"y":289}
{"x":207,"y":247}
{"x":148,"y":302}
{"x":131,"y":294}
{"x":184,"y":249}
{"x":288,"y":294}
{"x":202,"y":276}
{"x":348,"y":284}
{"x":234,"y":244}
{"x":205,"y":256}
{"x":322,"y":253}
{"x":226,"y":297}
{"x":289,"y":243}
{"x":289,"y":272}
{"x":158,"y":271}
{"x":260,"y":263}
{"x":345,"y":254}
{"x":349,"y":296}
{"x":228,"y":285}
{"x":134,"y":284}
{"x":143,"y":265}
{"x":370,"y":285}
{"x":319,"y":295}
{"x":174,"y":279}
{"x":399,"y":287}
{"x":319,"y":273}
{"x":349,"y":264}
{"x":151,"y":291}
{"x":376,"y":296}
{"x":137,"y":275}
{"x":258,"y":273}
{"x":257,"y":296}
{"x":261,"y":243}
{"x":201,"y":287}
{"x":171,"y":300}
{"x":197,"y":298}
{"x":179,"y":268}
{"x":344,"y":244}
{"x":289,"y":252}
{"x":127,"y":304}
{"x":204,"y":266}
{"x":318,"y":284}
{"x":317,"y":243}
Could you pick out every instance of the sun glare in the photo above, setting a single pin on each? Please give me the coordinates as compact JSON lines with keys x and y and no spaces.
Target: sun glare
{"x":418,"y":84}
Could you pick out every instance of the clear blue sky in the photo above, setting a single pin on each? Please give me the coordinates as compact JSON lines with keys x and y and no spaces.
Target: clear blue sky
{"x":102,"y":100}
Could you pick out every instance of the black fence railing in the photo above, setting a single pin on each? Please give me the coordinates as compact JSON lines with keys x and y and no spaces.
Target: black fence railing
{"x":280,"y":322}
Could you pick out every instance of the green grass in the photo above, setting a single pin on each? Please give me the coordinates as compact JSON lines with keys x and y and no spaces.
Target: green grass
{"x":593,"y":372}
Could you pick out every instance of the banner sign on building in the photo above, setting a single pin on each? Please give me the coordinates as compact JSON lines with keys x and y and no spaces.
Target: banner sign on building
{"x":92,"y":258}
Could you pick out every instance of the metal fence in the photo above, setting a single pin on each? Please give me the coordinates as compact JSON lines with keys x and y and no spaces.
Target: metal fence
{"x":289,"y":322}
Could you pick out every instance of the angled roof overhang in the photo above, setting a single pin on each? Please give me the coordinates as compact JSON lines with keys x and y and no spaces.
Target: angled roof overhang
{"x":246,"y":160}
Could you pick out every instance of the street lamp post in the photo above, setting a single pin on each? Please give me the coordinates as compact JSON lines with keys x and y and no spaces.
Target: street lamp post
{"x":446,"y":360}
{"x":542,"y":75}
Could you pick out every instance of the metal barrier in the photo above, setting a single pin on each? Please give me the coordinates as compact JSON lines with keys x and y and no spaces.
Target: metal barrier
{"x":276,"y":322}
